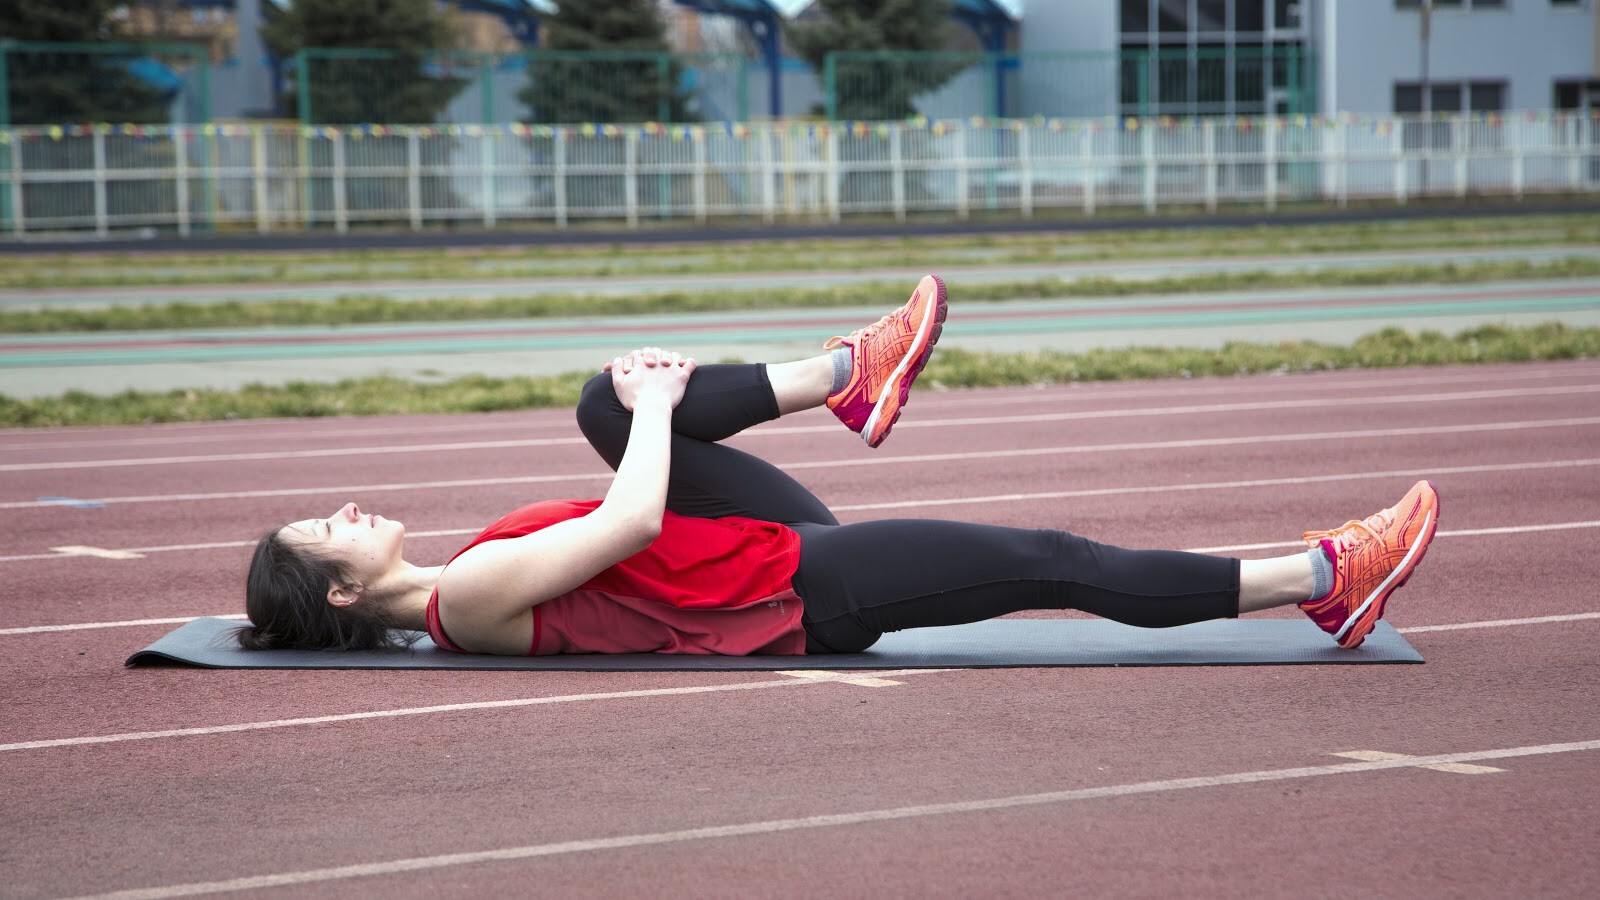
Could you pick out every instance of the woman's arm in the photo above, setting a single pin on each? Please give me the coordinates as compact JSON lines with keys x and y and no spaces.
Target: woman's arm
{"x":493,"y":587}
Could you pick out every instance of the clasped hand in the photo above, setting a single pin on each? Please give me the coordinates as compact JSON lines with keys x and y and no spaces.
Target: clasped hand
{"x":650,"y":372}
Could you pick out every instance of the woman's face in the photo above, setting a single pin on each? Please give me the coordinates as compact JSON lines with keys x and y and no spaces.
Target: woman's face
{"x":368,"y":544}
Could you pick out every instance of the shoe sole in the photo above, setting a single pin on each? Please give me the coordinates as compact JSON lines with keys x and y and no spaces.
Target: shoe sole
{"x":1358,"y":626}
{"x":910,"y":367}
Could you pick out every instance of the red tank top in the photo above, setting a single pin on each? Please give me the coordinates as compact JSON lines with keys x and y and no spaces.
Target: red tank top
{"x":704,"y":586}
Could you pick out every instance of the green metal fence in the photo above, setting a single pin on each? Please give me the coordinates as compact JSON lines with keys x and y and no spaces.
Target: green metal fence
{"x":60,"y":83}
{"x":1179,"y":81}
{"x":346,"y":86}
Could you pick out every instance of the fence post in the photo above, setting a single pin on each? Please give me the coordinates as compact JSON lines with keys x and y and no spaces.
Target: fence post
{"x":302,"y":83}
{"x":486,"y":166}
{"x":414,"y":178}
{"x":180,"y":179}
{"x":1458,"y":134}
{"x":769,"y":176}
{"x":341,"y":200}
{"x":962,"y":185}
{"x":630,"y":175}
{"x":98,"y":142}
{"x":833,"y":173}
{"x":258,"y":171}
{"x":1087,"y":140}
{"x":558,"y":160}
{"x":1147,"y":151}
{"x":18,"y":214}
{"x":1342,"y":164}
{"x":699,"y":180}
{"x":1400,"y":162}
{"x":1516,"y":158}
{"x":1574,"y":158}
{"x":1269,"y":139}
{"x":897,"y":175}
{"x":1025,"y":167}
{"x":1208,"y":130}
{"x":830,"y":84}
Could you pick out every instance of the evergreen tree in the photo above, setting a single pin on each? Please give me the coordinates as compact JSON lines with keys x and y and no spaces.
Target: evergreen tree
{"x":642,"y":88}
{"x":61,"y":87}
{"x":876,"y":89}
{"x":391,"y":87}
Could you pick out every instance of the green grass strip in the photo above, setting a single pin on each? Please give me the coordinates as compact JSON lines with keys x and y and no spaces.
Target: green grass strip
{"x":358,"y":310}
{"x":950,"y":368}
{"x":89,"y":269}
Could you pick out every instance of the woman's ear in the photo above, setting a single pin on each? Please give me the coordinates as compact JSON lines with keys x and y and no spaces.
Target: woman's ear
{"x":338,"y":595}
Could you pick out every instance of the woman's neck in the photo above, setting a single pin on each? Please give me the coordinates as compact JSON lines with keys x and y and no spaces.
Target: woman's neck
{"x":407,"y":595}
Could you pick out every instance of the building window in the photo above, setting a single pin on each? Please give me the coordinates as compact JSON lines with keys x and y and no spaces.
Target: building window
{"x":1456,"y":4}
{"x":1452,"y":97}
{"x":1216,"y":57}
{"x":1578,"y":94}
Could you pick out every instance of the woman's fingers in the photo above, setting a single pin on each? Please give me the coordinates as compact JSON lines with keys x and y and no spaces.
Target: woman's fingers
{"x":646,"y":357}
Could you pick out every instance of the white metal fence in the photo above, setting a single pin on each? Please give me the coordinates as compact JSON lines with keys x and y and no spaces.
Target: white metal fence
{"x":274,"y":177}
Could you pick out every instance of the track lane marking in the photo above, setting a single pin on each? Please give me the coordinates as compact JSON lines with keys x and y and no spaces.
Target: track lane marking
{"x":1013,"y":498}
{"x":1216,"y":485}
{"x":764,"y":431}
{"x":836,"y":820}
{"x":124,"y":737}
{"x":1458,"y":532}
{"x":841,"y":677}
{"x":1452,"y":768}
{"x":281,"y":429}
{"x":1183,"y":444}
{"x":817,"y":677}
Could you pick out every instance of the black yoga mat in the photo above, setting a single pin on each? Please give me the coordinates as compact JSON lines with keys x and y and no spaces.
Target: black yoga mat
{"x":999,"y":643}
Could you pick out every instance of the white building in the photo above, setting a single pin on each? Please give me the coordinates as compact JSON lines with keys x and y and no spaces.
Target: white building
{"x":1187,"y":57}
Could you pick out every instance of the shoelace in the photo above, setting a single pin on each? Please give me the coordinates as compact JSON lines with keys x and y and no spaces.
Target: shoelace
{"x":860,"y":333}
{"x":1348,"y":535}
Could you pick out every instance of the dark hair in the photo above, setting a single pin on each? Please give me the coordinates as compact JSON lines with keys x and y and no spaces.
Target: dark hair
{"x":286,"y":598}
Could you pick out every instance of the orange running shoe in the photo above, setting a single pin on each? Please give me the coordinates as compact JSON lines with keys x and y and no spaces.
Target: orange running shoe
{"x":886,"y":358}
{"x":1371,"y":558}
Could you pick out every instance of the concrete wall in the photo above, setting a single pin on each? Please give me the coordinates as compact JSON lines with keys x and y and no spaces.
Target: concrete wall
{"x":1530,"y":45}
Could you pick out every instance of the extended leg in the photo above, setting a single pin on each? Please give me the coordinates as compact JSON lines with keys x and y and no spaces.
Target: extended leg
{"x":860,"y":580}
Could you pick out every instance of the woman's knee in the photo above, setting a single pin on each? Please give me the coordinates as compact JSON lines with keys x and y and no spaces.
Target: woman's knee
{"x":602,"y":418}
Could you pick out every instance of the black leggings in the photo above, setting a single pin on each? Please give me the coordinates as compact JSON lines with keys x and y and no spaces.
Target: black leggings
{"x":858,"y":581}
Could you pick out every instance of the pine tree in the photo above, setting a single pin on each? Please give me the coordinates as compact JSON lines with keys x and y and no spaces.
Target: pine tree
{"x":876,"y":89}
{"x":642,"y":87}
{"x":60,"y":87}
{"x":391,"y":87}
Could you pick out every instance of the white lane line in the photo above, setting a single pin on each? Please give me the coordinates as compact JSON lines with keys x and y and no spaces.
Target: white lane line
{"x":836,"y":820}
{"x":13,"y":440}
{"x":842,"y":678}
{"x":1452,"y":768}
{"x":1501,"y":623}
{"x":1015,"y":498}
{"x":1184,"y":444}
{"x":98,"y":552}
{"x":448,"y":707}
{"x":774,"y":431}
{"x":815,"y":677}
{"x":85,"y":626}
{"x":1218,"y":485}
{"x":1459,"y":532}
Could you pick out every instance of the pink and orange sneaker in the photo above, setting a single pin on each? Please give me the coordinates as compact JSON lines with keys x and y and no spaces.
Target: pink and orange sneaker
{"x":887,"y":356}
{"x":1371,"y":558}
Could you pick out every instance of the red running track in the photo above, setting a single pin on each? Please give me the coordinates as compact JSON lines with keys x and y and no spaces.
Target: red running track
{"x":1213,"y":781}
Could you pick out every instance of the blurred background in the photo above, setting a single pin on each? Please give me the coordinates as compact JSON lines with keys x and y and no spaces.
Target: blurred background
{"x":184,"y":116}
